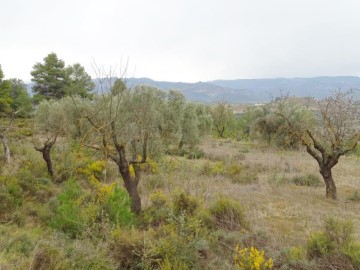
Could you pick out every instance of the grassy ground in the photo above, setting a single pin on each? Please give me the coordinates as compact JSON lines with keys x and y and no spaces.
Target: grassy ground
{"x":276,"y":209}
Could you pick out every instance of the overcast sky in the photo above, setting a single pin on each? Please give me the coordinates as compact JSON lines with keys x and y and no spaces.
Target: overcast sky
{"x":188,"y":40}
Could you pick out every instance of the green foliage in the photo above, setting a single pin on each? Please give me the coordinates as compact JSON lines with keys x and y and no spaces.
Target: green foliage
{"x":70,"y":212}
{"x":50,"y":77}
{"x":10,"y":196}
{"x":80,"y":82}
{"x":1,"y":74}
{"x":5,"y":97}
{"x":167,"y":264}
{"x":21,"y":100}
{"x":173,"y":117}
{"x":228,"y":214}
{"x":118,"y":87}
{"x":224,"y":121}
{"x":262,"y":122}
{"x":318,"y":245}
{"x":54,"y":81}
{"x":352,"y":251}
{"x":117,"y":208}
{"x":309,"y":180}
{"x":335,"y":245}
{"x":14,"y":98}
{"x":204,"y":119}
{"x":189,"y":128}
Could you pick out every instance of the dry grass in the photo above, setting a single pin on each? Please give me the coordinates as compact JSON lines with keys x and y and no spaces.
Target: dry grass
{"x":285,"y":212}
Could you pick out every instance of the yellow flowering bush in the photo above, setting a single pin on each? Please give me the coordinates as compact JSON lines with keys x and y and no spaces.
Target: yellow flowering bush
{"x":96,"y":166}
{"x":150,"y":166}
{"x":93,"y":171}
{"x":132,"y":170}
{"x":105,"y":191}
{"x":251,"y":259}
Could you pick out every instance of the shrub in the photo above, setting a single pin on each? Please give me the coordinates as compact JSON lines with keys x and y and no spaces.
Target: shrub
{"x":184,"y":203}
{"x":189,"y":153}
{"x":172,"y":265}
{"x":182,"y":240}
{"x":234,"y":169}
{"x":309,"y":180}
{"x":11,"y":196}
{"x":251,"y":259}
{"x":158,"y":212}
{"x":294,"y":258}
{"x":129,"y":247}
{"x":117,"y":207}
{"x":276,"y":180}
{"x":355,"y":197}
{"x":209,"y":169}
{"x":69,"y":213}
{"x":245,"y":177}
{"x":228,"y":214}
{"x":334,"y":246}
{"x":150,"y":166}
{"x":39,"y":188}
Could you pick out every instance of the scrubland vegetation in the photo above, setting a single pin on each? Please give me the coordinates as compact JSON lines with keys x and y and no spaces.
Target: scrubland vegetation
{"x":143,"y":179}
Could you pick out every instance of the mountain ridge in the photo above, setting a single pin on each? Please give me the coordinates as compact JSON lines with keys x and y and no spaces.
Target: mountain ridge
{"x":247,"y":90}
{"x":255,"y":90}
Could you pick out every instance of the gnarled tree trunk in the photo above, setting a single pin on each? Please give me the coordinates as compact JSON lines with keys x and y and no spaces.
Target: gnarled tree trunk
{"x":45,"y":150}
{"x":329,"y":183}
{"x":46,"y":156}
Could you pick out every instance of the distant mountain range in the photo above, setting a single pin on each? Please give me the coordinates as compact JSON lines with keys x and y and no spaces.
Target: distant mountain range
{"x":254,"y":90}
{"x":251,"y":90}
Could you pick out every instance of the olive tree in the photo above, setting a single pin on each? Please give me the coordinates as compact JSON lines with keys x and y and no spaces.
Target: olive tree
{"x":223,"y":119}
{"x":173,"y":112}
{"x":123,"y":124}
{"x":335,"y":131}
{"x":189,"y":127}
{"x":184,"y":122}
{"x":53,"y":118}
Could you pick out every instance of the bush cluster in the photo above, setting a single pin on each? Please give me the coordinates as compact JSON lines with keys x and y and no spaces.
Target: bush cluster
{"x":237,"y":173}
{"x":334,"y":247}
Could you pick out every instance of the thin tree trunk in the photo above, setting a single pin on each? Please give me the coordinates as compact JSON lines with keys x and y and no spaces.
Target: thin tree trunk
{"x":130,"y":182}
{"x":329,"y":183}
{"x":181,"y":144}
{"x":5,"y":143}
{"x":131,"y":187}
{"x":46,"y":156}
